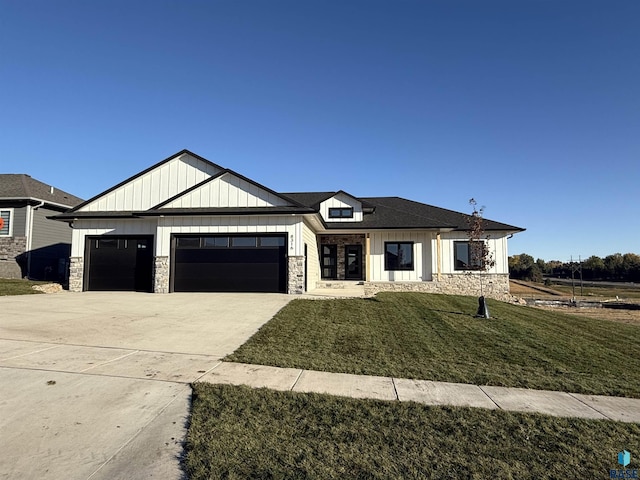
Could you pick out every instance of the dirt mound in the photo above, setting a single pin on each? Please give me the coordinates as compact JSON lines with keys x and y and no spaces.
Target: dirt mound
{"x":48,"y":288}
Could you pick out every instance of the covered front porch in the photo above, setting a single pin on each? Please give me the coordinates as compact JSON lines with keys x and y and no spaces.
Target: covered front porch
{"x":343,"y":257}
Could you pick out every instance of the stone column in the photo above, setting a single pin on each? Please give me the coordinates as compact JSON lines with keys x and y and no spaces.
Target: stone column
{"x":295,"y":282}
{"x":161,"y":275}
{"x":76,"y":274}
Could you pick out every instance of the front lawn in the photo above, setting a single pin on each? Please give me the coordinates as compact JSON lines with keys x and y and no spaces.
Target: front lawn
{"x":17,"y":287}
{"x":240,"y":433}
{"x":435,"y":337}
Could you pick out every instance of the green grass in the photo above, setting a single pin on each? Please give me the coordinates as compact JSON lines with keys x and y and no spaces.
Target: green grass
{"x":240,"y":433}
{"x":17,"y":287}
{"x":435,"y":337}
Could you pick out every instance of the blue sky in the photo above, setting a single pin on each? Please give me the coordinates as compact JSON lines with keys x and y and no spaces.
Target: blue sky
{"x":532,"y":107}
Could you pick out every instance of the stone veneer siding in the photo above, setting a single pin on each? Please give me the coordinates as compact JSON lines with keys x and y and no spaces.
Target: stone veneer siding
{"x":341,"y":241}
{"x":493,"y":286}
{"x":10,"y":249}
{"x":76,"y":274}
{"x":296,"y":275}
{"x":161,"y":275}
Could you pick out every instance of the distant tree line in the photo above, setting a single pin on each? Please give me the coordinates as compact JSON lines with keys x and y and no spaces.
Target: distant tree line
{"x":616,"y":267}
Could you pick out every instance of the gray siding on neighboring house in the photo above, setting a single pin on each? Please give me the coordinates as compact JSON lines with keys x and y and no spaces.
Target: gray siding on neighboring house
{"x":48,"y":258}
{"x":19,"y":221}
{"x":48,"y":232}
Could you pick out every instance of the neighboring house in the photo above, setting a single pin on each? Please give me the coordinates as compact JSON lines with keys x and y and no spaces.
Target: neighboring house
{"x":187,"y":224}
{"x":31,"y":245}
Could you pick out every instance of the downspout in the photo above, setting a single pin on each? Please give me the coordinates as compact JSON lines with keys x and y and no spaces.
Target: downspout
{"x":30,"y":210}
{"x":439,"y":256}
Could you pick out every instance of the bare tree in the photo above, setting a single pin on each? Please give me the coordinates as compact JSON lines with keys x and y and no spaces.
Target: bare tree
{"x":480,"y":257}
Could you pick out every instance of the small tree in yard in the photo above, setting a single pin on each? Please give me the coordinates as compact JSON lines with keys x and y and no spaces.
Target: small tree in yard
{"x":480,"y":258}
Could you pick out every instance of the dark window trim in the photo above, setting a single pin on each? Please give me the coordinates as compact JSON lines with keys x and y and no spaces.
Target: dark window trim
{"x":398,"y":268}
{"x":341,"y":212}
{"x":470,"y":266}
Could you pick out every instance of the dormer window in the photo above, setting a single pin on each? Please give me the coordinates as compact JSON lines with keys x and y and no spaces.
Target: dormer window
{"x":341,"y":212}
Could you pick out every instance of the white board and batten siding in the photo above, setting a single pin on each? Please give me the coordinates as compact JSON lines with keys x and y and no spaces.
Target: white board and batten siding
{"x":119,"y":226}
{"x":341,"y":200}
{"x":310,"y":239}
{"x":227,"y":190}
{"x":422,"y":256}
{"x":497,"y":243}
{"x":289,"y":225}
{"x":162,"y":228}
{"x":154,"y":187}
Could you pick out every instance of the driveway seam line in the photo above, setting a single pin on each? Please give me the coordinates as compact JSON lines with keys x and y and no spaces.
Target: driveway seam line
{"x":110,"y":361}
{"x":57,"y":344}
{"x":30,"y":353}
{"x":208,"y":371}
{"x":135,"y":435}
{"x":96,"y":374}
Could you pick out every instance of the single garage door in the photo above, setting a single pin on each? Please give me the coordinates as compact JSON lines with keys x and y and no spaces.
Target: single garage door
{"x":119,"y":263}
{"x":229,"y":263}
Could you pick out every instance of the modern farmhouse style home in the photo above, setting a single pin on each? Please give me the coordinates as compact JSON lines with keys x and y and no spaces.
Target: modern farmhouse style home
{"x":189,"y":225}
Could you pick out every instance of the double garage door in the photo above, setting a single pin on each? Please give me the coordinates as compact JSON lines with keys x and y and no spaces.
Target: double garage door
{"x":199,"y":263}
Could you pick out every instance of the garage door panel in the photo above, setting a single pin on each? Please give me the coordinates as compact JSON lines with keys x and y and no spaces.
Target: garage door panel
{"x":230,"y":269}
{"x":119,"y":263}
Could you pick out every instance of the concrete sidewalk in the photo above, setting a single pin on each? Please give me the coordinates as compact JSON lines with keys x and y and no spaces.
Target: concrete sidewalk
{"x":560,"y":404}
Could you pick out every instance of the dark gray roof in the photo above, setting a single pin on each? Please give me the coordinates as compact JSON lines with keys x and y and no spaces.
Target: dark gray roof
{"x":396,"y":212}
{"x":314,"y":199}
{"x":22,"y":186}
{"x":379,"y":212}
{"x":310,"y":199}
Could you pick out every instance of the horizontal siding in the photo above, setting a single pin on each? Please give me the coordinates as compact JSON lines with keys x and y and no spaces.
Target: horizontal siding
{"x":48,"y":232}
{"x":227,"y":191}
{"x":18,"y":220}
{"x":155,"y":186}
{"x":422,"y":256}
{"x":341,"y":201}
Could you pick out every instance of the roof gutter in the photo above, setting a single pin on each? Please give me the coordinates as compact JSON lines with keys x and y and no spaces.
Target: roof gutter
{"x":39,"y":200}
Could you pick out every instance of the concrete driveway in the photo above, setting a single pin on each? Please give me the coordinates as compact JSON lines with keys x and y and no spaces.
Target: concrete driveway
{"x":96,"y":384}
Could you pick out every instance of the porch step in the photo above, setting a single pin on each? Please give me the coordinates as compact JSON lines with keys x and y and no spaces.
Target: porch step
{"x":338,"y":284}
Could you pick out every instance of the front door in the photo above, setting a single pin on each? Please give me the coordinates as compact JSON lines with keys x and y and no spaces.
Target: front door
{"x":353,"y":262}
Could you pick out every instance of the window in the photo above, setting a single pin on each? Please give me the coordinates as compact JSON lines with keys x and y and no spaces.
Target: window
{"x":188,"y":242}
{"x":341,"y":212}
{"x":5,"y":223}
{"x":216,"y":242}
{"x":243,"y":241}
{"x":271,"y":241}
{"x":468,"y":255}
{"x":398,"y":255}
{"x":108,"y":243}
